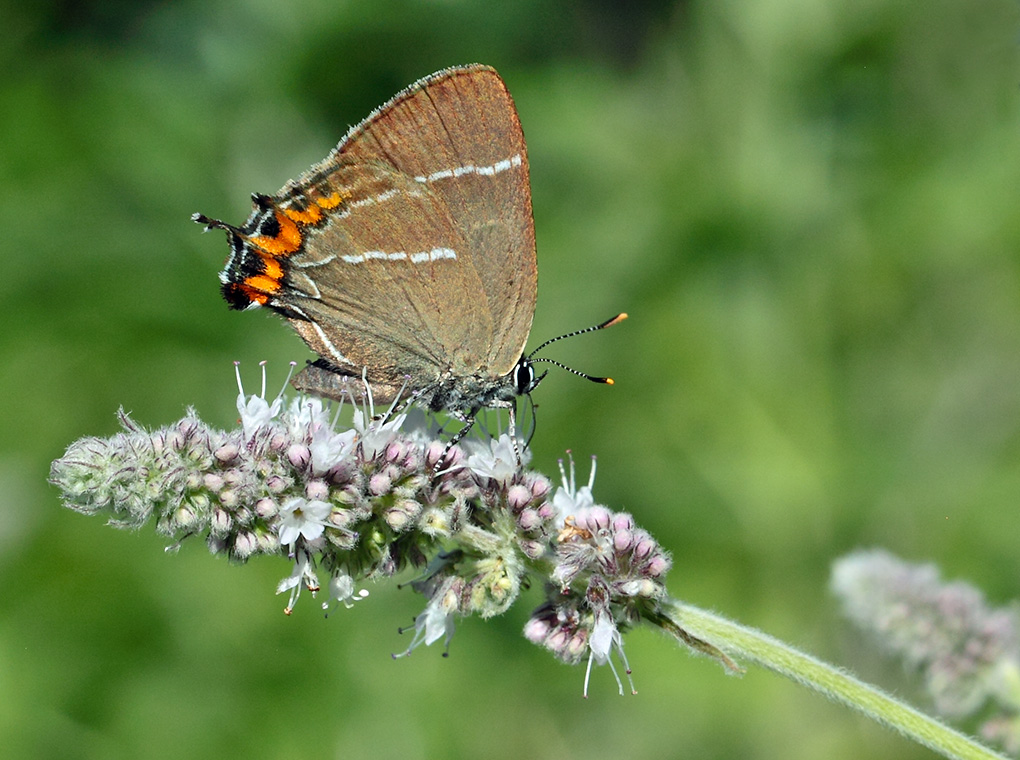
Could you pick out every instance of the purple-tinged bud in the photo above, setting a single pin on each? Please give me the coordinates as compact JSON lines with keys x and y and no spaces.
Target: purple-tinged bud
{"x":529,"y":519}
{"x":594,"y":519}
{"x":243,"y":516}
{"x":341,"y":473}
{"x":396,"y":518}
{"x":623,"y":521}
{"x":413,"y":459}
{"x":277,"y":484}
{"x":341,"y":518}
{"x":540,"y":488}
{"x":299,"y":455}
{"x":379,"y":484}
{"x":188,"y":428}
{"x":266,"y":508}
{"x":227,"y":453}
{"x":395,"y":450}
{"x":402,"y":514}
{"x":644,"y":545}
{"x":433,"y":453}
{"x":657,"y":566}
{"x":174,"y":440}
{"x":229,"y":498}
{"x":623,"y":541}
{"x":221,"y":522}
{"x":558,"y":640}
{"x":245,"y":544}
{"x":532,"y":549}
{"x":185,"y":518}
{"x":577,"y":645}
{"x":212,"y":481}
{"x":536,"y":630}
{"x":269,"y":543}
{"x":316,"y":490}
{"x":518,"y":497}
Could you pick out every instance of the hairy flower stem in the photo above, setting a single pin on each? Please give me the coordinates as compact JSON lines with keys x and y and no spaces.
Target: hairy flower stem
{"x":750,"y":645}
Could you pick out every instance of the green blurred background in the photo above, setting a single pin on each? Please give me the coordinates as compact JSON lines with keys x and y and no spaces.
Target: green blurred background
{"x":808,"y":208}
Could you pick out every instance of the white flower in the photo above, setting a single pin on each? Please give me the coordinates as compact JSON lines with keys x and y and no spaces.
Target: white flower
{"x":303,"y":575}
{"x":328,"y":447}
{"x":433,"y":623}
{"x":605,"y":637}
{"x":256,"y":412}
{"x":430,"y":625}
{"x":437,"y":618}
{"x":302,"y":518}
{"x":375,"y":435}
{"x":341,"y":588}
{"x":569,"y":499}
{"x":498,"y":462}
{"x":305,"y":416}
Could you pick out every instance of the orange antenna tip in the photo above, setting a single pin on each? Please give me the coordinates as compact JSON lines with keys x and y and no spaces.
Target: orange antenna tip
{"x":609,"y":323}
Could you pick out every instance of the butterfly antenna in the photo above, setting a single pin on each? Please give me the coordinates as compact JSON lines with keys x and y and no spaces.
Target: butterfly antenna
{"x":216,"y":224}
{"x":608,"y":323}
{"x":604,"y":380}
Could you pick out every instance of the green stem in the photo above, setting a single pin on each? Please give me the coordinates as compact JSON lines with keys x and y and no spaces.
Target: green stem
{"x":696,"y":627}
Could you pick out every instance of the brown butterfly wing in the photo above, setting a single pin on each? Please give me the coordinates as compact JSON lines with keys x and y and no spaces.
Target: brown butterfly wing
{"x":383,"y":285}
{"x":458,"y":135}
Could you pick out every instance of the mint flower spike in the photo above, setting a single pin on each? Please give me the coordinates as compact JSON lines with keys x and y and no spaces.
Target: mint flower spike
{"x":351,"y":506}
{"x":360,"y":505}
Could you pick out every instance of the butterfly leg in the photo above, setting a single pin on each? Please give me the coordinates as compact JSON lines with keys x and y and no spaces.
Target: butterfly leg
{"x":469,"y":422}
{"x":512,"y":411}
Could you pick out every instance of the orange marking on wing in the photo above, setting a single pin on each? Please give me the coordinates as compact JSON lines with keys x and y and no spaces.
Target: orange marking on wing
{"x":311,"y":215}
{"x":253,"y":295}
{"x":261,"y":286}
{"x":288,"y":240}
{"x":332,"y":200}
{"x":274,"y":269}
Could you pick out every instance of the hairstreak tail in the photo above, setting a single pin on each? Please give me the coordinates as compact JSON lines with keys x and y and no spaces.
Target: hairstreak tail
{"x":407,"y":256}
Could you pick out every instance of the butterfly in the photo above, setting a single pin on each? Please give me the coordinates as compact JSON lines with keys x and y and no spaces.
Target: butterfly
{"x":406,"y":258}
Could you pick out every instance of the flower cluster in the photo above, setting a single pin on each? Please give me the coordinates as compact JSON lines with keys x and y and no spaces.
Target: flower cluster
{"x":607,"y":574}
{"x":968,"y":653}
{"x":364,"y":503}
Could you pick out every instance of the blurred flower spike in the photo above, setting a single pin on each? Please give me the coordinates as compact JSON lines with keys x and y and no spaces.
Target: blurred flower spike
{"x":967,"y":652}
